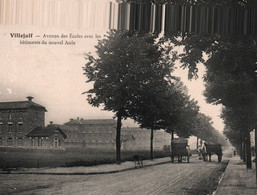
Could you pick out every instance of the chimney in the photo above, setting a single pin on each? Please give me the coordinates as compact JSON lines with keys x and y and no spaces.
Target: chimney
{"x":30,"y":98}
{"x":51,"y":122}
{"x":77,"y":118}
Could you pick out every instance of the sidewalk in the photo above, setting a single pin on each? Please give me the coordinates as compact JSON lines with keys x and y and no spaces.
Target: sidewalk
{"x":89,"y":170}
{"x":237,"y":179}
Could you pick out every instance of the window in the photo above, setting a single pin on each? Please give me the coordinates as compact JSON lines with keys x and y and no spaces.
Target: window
{"x":20,"y":116}
{"x":20,"y":141}
{"x":1,"y":127}
{"x":1,"y":141}
{"x":20,"y":127}
{"x":10,"y":115}
{"x":39,"y":141}
{"x":9,"y":141}
{"x":55,"y":142}
{"x":10,"y":127}
{"x":33,"y":142}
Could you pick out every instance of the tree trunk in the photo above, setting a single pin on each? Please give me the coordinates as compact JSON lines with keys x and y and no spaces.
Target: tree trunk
{"x":248,"y":150}
{"x":171,"y":146}
{"x":118,"y":156}
{"x":197,"y":140}
{"x":244,"y":148}
{"x":241,"y":144}
{"x":255,"y":140}
{"x":151,"y":147}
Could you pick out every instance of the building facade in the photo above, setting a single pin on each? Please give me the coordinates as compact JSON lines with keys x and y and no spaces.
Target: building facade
{"x":101,"y":134}
{"x":96,"y":133}
{"x":22,"y":124}
{"x":17,"y":119}
{"x":49,"y":137}
{"x":133,"y":138}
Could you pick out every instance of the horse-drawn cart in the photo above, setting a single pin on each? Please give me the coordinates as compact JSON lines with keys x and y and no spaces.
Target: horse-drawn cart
{"x":179,"y":149}
{"x":210,"y":149}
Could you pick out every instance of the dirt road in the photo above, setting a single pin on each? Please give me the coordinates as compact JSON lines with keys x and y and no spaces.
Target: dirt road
{"x":196,"y":177}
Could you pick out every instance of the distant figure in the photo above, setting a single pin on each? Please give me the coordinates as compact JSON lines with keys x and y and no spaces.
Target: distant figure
{"x":234,"y":152}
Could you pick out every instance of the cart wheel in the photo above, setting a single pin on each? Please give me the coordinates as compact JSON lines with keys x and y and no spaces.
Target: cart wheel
{"x":172,"y":159}
{"x":179,"y":159}
{"x":219,"y":157}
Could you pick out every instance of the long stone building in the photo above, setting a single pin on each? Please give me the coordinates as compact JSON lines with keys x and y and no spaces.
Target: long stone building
{"x":101,"y":134}
{"x":22,"y":124}
{"x":93,"y":133}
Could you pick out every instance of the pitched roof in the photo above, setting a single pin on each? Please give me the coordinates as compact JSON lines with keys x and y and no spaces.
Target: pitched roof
{"x":65,"y":127}
{"x":45,"y":131}
{"x":137,"y":129}
{"x":180,"y":140}
{"x":19,"y":105}
{"x":91,"y":122}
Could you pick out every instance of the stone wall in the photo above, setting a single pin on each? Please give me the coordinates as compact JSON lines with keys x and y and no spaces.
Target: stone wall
{"x":15,"y":124}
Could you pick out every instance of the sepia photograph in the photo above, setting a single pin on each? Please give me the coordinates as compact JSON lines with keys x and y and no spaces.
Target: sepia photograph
{"x":128,"y":97}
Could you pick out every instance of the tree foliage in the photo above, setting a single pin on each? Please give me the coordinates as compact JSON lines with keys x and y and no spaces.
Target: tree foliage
{"x":205,"y":131}
{"x":138,"y":83}
{"x":246,"y":3}
{"x":129,"y":71}
{"x":126,"y":63}
{"x":182,"y":111}
{"x":230,"y":77}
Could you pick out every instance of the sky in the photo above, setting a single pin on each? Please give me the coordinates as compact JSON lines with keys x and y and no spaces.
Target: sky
{"x":53,"y":74}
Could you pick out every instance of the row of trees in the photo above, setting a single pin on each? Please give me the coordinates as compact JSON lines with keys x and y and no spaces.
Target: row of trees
{"x":205,"y":131}
{"x":230,"y":78}
{"x":132,"y":76}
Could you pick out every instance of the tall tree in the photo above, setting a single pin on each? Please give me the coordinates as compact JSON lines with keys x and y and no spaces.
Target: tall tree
{"x":149,"y":108}
{"x":182,"y":117}
{"x":234,"y":120}
{"x":164,"y":106}
{"x":127,"y":63}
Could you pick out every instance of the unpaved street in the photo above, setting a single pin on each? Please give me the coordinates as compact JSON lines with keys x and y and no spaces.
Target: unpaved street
{"x":196,"y":177}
